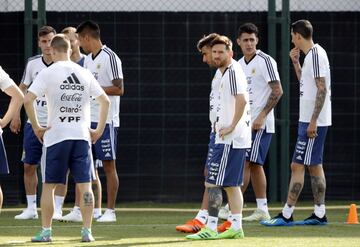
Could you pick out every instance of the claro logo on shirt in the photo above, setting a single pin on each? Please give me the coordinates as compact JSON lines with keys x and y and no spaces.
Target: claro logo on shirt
{"x":72,"y":83}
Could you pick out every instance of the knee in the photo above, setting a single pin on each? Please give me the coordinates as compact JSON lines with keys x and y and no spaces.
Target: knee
{"x":29,"y":170}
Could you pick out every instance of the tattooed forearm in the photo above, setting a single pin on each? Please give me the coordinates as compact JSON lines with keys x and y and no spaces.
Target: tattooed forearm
{"x":294,"y":192}
{"x":88,"y":199}
{"x":276,"y":93}
{"x":318,"y":186}
{"x":118,"y":83}
{"x":320,"y":97}
{"x":215,"y":201}
{"x":297,"y":68}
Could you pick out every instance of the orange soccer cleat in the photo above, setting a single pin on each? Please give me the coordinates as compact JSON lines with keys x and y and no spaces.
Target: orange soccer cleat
{"x":224,"y":226}
{"x":191,"y":226}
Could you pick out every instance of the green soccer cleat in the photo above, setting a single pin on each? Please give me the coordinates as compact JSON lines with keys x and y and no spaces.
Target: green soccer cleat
{"x":231,"y":234}
{"x":205,"y":234}
{"x":86,"y":235}
{"x":42,"y":236}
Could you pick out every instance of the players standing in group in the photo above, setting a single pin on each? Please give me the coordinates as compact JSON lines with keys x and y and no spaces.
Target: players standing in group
{"x":8,"y":86}
{"x":203,"y":46}
{"x":32,"y":147}
{"x":233,"y":137}
{"x":105,"y":65}
{"x":67,"y":88}
{"x":314,"y":119}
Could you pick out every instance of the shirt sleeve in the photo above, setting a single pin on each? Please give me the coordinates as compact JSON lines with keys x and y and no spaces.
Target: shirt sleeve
{"x":95,"y":88}
{"x":320,"y":63}
{"x":26,"y":78}
{"x":38,"y":87}
{"x":269,"y":69}
{"x":5,"y":80}
{"x":238,"y":84}
{"x":114,"y":67}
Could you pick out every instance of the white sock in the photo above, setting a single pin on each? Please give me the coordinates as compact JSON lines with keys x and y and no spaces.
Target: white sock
{"x":236,"y":221}
{"x":288,"y":211}
{"x":202,"y":215}
{"x":31,"y":201}
{"x":229,"y":217}
{"x":59,"y":201}
{"x":212,"y":223}
{"x":319,"y":210}
{"x":97,"y":211}
{"x":76,"y":208}
{"x":110,"y":210}
{"x":262,"y":204}
{"x":46,"y":228}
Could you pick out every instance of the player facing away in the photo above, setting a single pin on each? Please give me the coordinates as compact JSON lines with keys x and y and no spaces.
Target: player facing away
{"x":8,"y":86}
{"x":31,"y":146}
{"x":61,"y":190}
{"x":233,"y":136}
{"x":203,"y":46}
{"x":314,"y":119}
{"x":105,"y":65}
{"x":264,"y":91}
{"x":67,"y":88}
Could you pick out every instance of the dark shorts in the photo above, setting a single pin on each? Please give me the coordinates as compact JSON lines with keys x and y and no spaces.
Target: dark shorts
{"x":105,"y":147}
{"x":32,"y":147}
{"x":4,"y":166}
{"x":260,"y":144}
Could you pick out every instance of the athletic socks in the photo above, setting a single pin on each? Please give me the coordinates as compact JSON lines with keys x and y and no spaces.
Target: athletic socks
{"x":288,"y":211}
{"x":262,"y":204}
{"x":202,"y":215}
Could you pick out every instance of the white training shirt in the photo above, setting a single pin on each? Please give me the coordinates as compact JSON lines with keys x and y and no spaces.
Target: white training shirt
{"x":259,"y":71}
{"x":233,"y":82}
{"x":67,"y":88}
{"x":316,"y":64}
{"x":214,"y":98}
{"x":105,"y":66}
{"x":33,"y":67}
{"x":5,"y":82}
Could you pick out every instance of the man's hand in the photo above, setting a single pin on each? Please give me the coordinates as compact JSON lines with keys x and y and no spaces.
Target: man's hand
{"x":39,"y":132}
{"x":224,"y":131}
{"x":295,"y":55}
{"x":15,"y":125}
{"x":312,"y":130}
{"x":258,"y":122}
{"x":95,"y":135}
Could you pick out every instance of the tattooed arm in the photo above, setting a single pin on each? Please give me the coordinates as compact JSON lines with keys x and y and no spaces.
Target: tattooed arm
{"x":116,"y":89}
{"x":319,"y":103}
{"x":276,"y":93}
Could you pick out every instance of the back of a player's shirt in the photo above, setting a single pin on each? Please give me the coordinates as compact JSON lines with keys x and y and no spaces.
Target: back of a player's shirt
{"x":105,"y":66}
{"x":316,"y":65}
{"x":68,"y":88}
{"x":5,"y":82}
{"x":259,"y":71}
{"x":33,"y":67}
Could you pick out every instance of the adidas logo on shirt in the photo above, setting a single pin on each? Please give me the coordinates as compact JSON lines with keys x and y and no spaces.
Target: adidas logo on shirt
{"x":72,"y":83}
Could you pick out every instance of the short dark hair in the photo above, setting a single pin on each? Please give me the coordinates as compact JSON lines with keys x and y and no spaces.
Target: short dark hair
{"x":45,"y":30}
{"x":206,"y":40}
{"x":223,"y":40}
{"x":60,"y":43}
{"x":302,"y":27}
{"x":90,"y":28}
{"x":248,"y":28}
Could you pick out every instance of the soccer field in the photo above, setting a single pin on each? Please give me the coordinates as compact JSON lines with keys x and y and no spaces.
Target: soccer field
{"x":152,"y":224}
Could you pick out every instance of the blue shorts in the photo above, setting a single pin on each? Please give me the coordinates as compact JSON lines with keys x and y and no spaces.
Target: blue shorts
{"x":32,"y":147}
{"x":73,"y":155}
{"x":4,"y":167}
{"x":226,"y":166}
{"x":309,"y":151}
{"x":105,"y":147}
{"x":260,"y":143}
{"x":210,"y":149}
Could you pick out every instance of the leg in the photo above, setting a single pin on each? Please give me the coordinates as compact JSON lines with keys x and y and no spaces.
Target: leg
{"x":97,"y":189}
{"x":60,"y":193}
{"x":30,"y":179}
{"x":1,"y":199}
{"x":235,"y":199}
{"x":47,"y":204}
{"x":318,"y":183}
{"x":205,"y":200}
{"x":247,"y":174}
{"x":215,"y":201}
{"x":86,"y":203}
{"x":258,"y":180}
{"x":296,"y":183}
{"x":112,"y":182}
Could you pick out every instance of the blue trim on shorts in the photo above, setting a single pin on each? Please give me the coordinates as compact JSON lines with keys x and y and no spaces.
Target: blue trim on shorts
{"x":309,"y":151}
{"x":260,"y":144}
{"x":32,"y":147}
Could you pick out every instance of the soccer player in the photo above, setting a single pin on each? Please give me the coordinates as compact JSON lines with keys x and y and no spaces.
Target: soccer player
{"x":203,"y":46}
{"x":314,"y":119}
{"x":32,"y":147}
{"x":67,"y":88}
{"x":264,"y":91}
{"x":8,"y":86}
{"x":61,"y":190}
{"x":233,"y":136}
{"x":106,"y":67}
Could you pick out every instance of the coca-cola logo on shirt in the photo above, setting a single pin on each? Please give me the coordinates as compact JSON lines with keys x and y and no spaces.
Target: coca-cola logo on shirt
{"x":77,"y":97}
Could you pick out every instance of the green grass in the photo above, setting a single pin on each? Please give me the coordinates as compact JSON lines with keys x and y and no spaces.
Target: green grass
{"x":153,"y":224}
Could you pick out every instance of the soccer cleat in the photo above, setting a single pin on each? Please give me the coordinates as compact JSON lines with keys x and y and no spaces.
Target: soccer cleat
{"x":204,"y":234}
{"x":278,"y":220}
{"x":108,"y":216}
{"x":191,"y":226}
{"x":27,"y":214}
{"x":42,"y":236}
{"x":224,"y":226}
{"x":96,"y":216}
{"x":313,"y":220}
{"x":73,"y":216}
{"x":224,"y":212}
{"x":231,"y":234}
{"x":86,"y":235}
{"x":57,"y":216}
{"x":258,"y":215}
